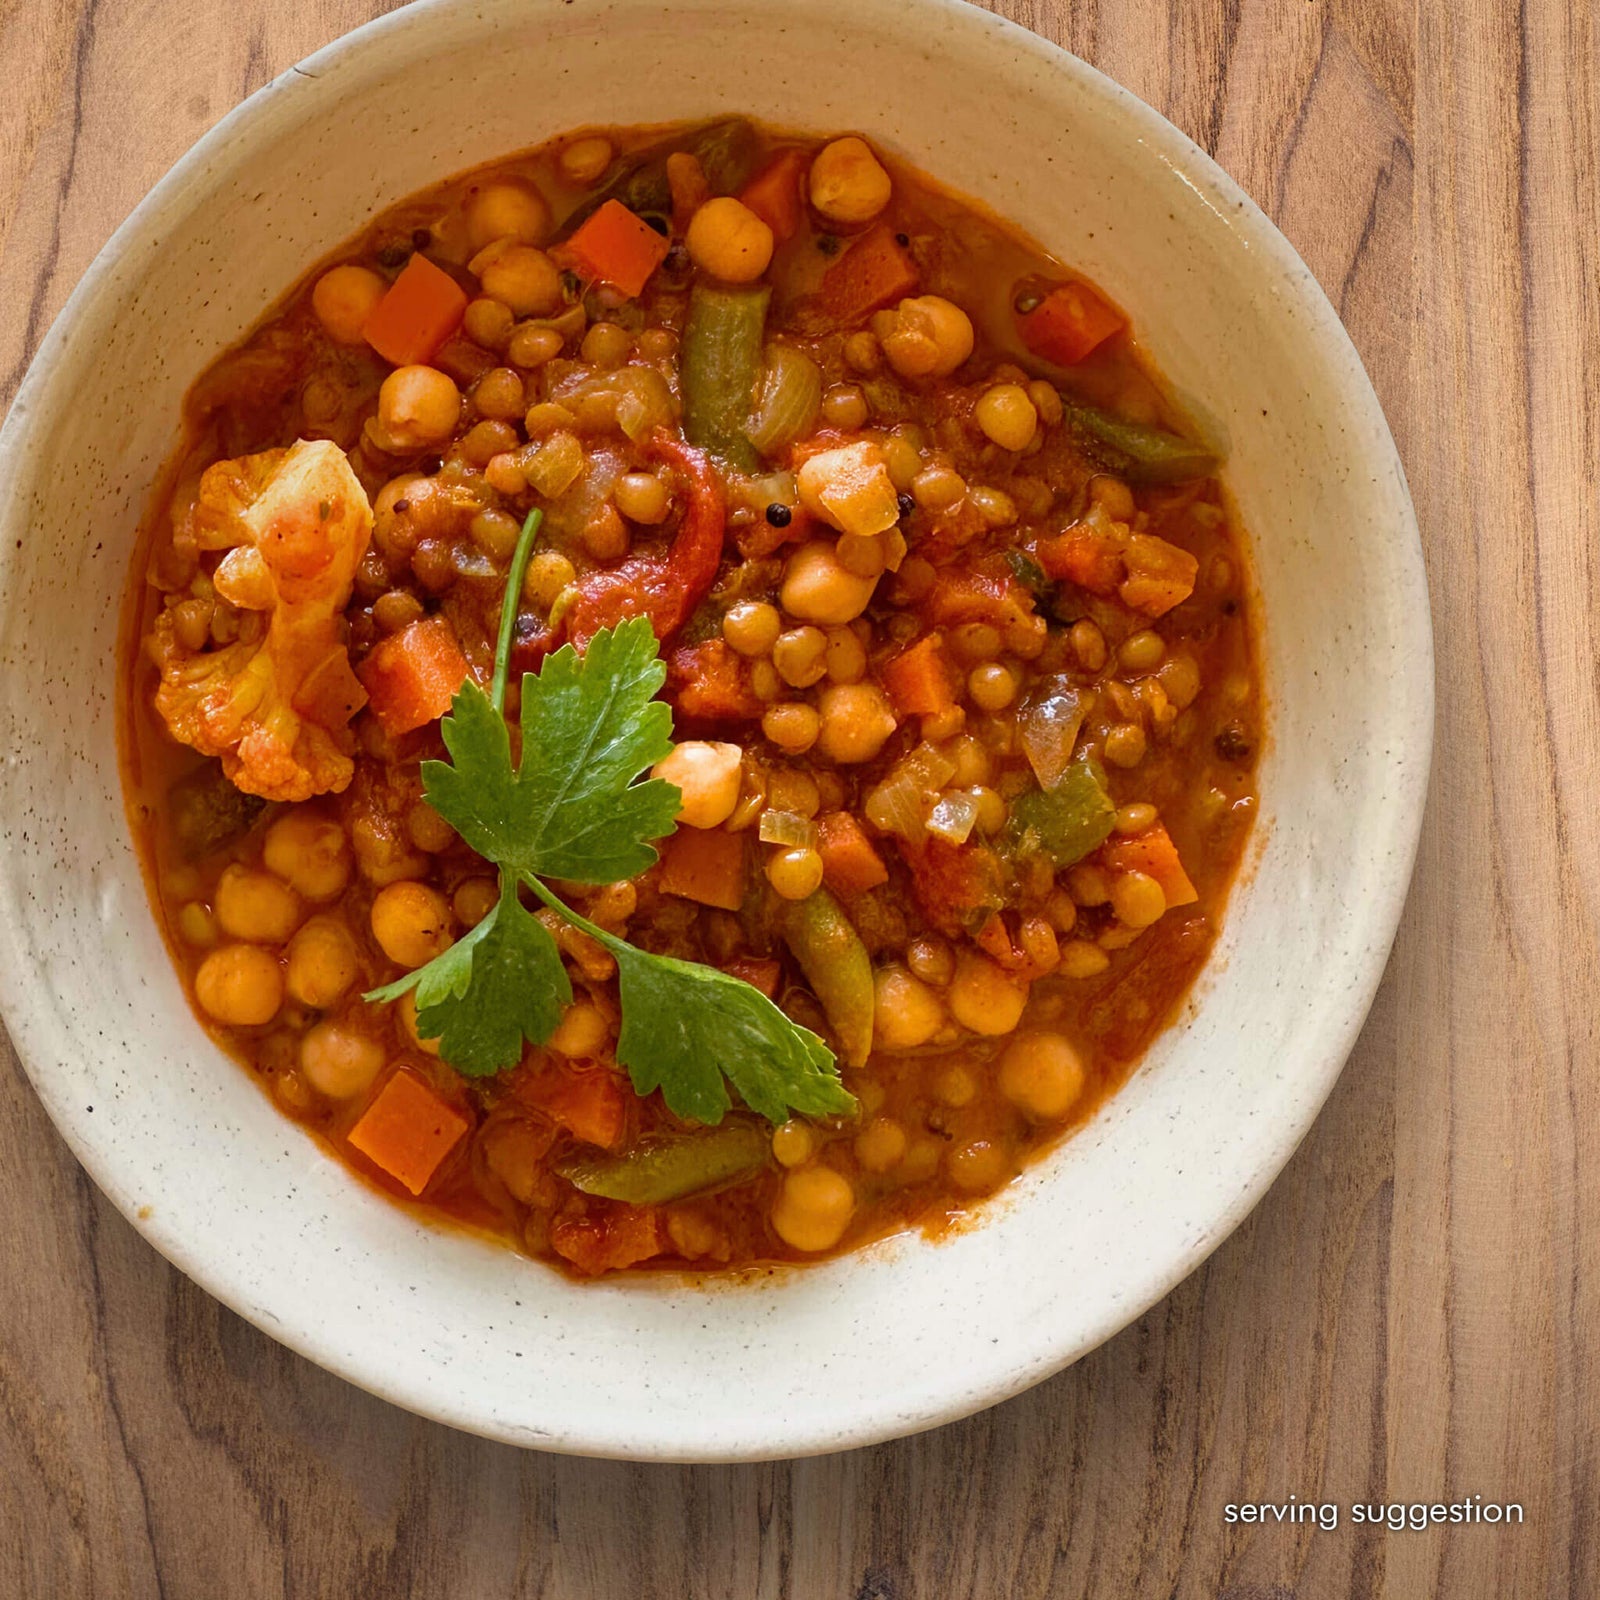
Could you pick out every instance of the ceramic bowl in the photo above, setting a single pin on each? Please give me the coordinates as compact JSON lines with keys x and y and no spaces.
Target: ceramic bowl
{"x":909,"y":1333}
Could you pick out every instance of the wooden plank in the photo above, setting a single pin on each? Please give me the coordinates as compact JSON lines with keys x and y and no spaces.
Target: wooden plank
{"x":1408,"y":1314}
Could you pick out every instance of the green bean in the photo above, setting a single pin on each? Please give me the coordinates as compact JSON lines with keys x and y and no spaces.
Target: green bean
{"x":837,"y":967}
{"x":670,"y":1166}
{"x":720,"y":366}
{"x":725,"y":150}
{"x":1137,"y":453}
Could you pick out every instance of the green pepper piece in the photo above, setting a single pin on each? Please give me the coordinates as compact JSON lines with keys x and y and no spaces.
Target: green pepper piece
{"x":1135,"y":452}
{"x":726,"y":151}
{"x":207,"y":812}
{"x":837,"y":967}
{"x":672,"y":1165}
{"x":1063,"y":823}
{"x":720,"y":367}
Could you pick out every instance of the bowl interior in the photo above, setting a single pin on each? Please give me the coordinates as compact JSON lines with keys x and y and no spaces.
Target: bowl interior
{"x":906,"y":1334}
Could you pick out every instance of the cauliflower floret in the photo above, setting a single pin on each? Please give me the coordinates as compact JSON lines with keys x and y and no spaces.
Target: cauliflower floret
{"x":275,"y":701}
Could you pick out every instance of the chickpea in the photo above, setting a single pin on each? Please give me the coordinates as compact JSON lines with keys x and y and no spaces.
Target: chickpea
{"x":856,"y":721}
{"x":708,"y":775}
{"x":548,"y":573}
{"x":729,"y":241}
{"x":606,"y":345}
{"x":752,"y":627}
{"x":1041,"y":1074}
{"x":605,"y":535}
{"x":813,"y":1208}
{"x":1137,"y":899}
{"x":531,"y":345}
{"x":844,"y":406}
{"x":931,"y":959}
{"x":1135,"y":818}
{"x":847,"y":182}
{"x":765,"y":684}
{"x":474,"y":899}
{"x":904,"y":461}
{"x":795,"y":873}
{"x":1081,"y":959}
{"x":418,"y":406}
{"x":992,"y":686}
{"x":309,"y":852}
{"x":978,"y":1166}
{"x":906,"y":1011}
{"x":496,"y":534}
{"x":861,"y":352}
{"x":881,"y":1145}
{"x":412,"y":923}
{"x":792,"y":1143}
{"x":818,"y":588}
{"x":520,"y":277}
{"x":793,"y":727}
{"x":1006,"y":416}
{"x":239,"y":985}
{"x":255,"y":905}
{"x":1088,"y":645}
{"x":642,"y":497}
{"x":1125,"y":745}
{"x":1180,"y":678}
{"x":926,"y":336}
{"x":1046,"y":401}
{"x":585,"y":160}
{"x":1113,"y":496}
{"x":1142,"y":651}
{"x":992,"y":809}
{"x":956,"y":1087}
{"x":197,"y":926}
{"x":488,"y":323}
{"x":322,"y":963}
{"x":339,"y":1062}
{"x":846,"y":657}
{"x":983,"y":997}
{"x":503,"y":473}
{"x":938,"y":488}
{"x":801,"y":656}
{"x":343,"y":298}
{"x":582,"y":1031}
{"x":997,"y":510}
{"x":507,"y":210}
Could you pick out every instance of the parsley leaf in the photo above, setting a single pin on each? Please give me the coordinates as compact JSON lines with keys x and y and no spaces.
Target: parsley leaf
{"x":570,"y":808}
{"x":501,"y":983}
{"x":685,"y":1026}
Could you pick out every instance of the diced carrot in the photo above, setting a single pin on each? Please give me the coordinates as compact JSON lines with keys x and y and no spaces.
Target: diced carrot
{"x":590,"y":1102}
{"x":1083,"y":556}
{"x":850,"y":865}
{"x":995,"y":598}
{"x":1154,"y":854}
{"x":408,"y":1130}
{"x":420,"y":310}
{"x":774,"y":194}
{"x":608,"y":1237}
{"x":412,"y":676}
{"x":704,"y":864}
{"x":712,"y":681}
{"x":1160,"y":575}
{"x":615,"y":246}
{"x":876,"y":270}
{"x":1069,"y":323}
{"x":760,"y":972}
{"x":919,"y":679}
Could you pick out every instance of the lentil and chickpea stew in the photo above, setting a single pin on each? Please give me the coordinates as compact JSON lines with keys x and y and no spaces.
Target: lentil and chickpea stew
{"x":692,"y":703}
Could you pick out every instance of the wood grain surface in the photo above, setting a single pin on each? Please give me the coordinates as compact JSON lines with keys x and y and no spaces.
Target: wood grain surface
{"x":1413,"y":1314}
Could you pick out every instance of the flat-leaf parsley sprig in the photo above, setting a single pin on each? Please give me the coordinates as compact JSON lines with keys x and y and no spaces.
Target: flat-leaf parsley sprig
{"x":573,"y":807}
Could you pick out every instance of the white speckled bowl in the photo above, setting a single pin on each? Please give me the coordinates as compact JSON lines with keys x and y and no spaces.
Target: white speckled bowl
{"x":907,"y":1334}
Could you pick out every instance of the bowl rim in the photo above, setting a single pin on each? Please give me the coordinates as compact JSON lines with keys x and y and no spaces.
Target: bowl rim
{"x":1030,"y":1361}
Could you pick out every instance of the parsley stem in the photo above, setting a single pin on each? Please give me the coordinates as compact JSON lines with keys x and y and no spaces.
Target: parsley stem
{"x":563,"y":910}
{"x":508,"y":607}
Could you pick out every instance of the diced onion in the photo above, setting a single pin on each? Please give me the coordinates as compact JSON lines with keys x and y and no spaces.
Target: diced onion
{"x":791,"y":396}
{"x":787,"y":828}
{"x":555,"y":465}
{"x":1048,"y":728}
{"x":954,"y":817}
{"x":900,"y":804}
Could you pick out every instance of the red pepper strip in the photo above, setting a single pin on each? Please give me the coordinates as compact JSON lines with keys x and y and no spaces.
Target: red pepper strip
{"x":665,"y":588}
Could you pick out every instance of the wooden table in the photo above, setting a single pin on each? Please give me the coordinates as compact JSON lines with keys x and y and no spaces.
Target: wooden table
{"x":1412,"y":1314}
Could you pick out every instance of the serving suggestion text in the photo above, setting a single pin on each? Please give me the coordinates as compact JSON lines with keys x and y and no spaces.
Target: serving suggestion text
{"x":1397,"y":1516}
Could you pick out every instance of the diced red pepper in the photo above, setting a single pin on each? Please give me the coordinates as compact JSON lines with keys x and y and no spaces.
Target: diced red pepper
{"x":590,"y":1102}
{"x":954,"y":884}
{"x":850,"y":865}
{"x":712,"y":681}
{"x":874,"y":272}
{"x":706,"y":865}
{"x":919,"y":679}
{"x":1154,"y":854}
